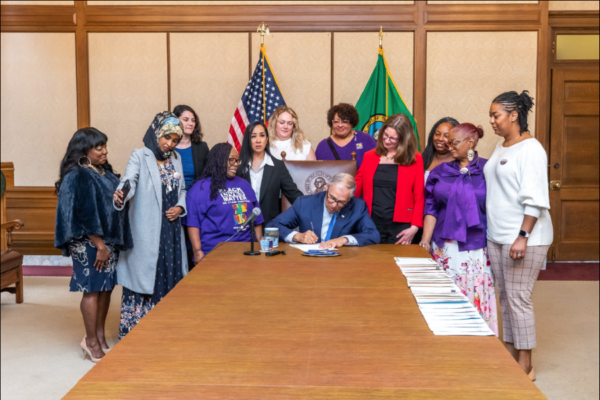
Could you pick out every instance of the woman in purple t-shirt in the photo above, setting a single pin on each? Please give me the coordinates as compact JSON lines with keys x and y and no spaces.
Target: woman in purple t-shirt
{"x":219,"y":203}
{"x":344,"y":139}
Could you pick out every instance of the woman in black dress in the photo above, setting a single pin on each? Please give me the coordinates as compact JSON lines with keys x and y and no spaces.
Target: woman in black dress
{"x":90,"y":230}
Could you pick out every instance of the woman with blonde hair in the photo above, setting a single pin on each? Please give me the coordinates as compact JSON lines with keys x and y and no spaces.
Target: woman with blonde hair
{"x":391,"y":182}
{"x":286,"y":136}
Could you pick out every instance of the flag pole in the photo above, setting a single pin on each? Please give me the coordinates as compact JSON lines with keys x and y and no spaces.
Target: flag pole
{"x":386,"y":71}
{"x":263,"y":29}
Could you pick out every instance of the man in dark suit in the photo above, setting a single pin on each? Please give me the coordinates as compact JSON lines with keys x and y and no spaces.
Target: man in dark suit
{"x":334,"y":217}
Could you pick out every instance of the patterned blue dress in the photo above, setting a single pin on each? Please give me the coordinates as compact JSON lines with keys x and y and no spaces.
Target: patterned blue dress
{"x":86,"y":278}
{"x":169,"y":269}
{"x":84,"y":208}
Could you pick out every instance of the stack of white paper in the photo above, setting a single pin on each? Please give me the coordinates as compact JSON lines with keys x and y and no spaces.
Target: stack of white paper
{"x":447,"y":311}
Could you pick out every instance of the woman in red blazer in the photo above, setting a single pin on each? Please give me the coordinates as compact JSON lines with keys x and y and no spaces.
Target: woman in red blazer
{"x":391,"y":182}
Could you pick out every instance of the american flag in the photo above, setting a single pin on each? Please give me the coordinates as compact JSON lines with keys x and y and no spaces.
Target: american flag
{"x":261,"y":97}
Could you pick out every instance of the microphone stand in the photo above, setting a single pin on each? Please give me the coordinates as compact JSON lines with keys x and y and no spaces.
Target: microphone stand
{"x":252,"y":237}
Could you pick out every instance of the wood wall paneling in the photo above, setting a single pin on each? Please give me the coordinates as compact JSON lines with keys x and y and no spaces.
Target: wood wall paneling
{"x":573,"y":20}
{"x":36,"y":207}
{"x":291,"y":17}
{"x":37,"y":18}
{"x":542,"y":118}
{"x":39,"y":103}
{"x":473,"y":2}
{"x":36,"y":3}
{"x":302,"y":64}
{"x":238,"y":3}
{"x":352,"y":73}
{"x":220,"y":18}
{"x":128,"y":87}
{"x":466,"y":70}
{"x":8,"y":170}
{"x":209,"y":72}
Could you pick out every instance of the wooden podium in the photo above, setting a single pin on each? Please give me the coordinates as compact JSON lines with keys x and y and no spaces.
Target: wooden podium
{"x":312,"y":177}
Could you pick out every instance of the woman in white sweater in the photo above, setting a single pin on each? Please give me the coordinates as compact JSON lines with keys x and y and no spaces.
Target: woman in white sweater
{"x":519,"y":225}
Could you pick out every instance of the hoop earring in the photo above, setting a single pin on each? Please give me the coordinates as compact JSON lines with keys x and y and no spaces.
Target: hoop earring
{"x":84,"y":166}
{"x":471,"y":155}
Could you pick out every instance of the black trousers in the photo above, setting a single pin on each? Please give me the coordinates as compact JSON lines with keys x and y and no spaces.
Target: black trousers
{"x":188,"y":247}
{"x":388,"y":232}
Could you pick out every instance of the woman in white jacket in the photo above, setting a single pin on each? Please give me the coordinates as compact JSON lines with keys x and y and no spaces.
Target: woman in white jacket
{"x":519,"y":224}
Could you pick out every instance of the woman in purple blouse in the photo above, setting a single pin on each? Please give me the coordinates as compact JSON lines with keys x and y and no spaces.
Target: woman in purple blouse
{"x":455,"y":221}
{"x":344,"y":140}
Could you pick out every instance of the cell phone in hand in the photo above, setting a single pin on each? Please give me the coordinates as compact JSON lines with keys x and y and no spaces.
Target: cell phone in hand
{"x":125,"y":189}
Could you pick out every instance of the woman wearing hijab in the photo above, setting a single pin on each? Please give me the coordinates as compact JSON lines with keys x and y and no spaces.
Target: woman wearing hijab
{"x":157,"y":195}
{"x":456,"y":221}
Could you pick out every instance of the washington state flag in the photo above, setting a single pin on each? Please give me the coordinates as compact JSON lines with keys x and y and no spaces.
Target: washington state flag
{"x":380,"y":99}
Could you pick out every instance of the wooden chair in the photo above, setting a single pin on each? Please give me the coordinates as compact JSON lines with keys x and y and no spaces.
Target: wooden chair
{"x":12,"y":263}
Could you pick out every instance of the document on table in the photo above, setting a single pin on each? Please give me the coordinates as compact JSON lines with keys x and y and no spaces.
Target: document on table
{"x":307,"y":247}
{"x":447,"y":311}
{"x":401,"y":261}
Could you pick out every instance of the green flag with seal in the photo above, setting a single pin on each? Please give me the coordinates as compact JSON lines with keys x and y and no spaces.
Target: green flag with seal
{"x":380,"y":99}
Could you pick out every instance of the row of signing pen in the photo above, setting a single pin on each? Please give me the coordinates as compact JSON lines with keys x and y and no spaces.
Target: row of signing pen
{"x":446,"y":309}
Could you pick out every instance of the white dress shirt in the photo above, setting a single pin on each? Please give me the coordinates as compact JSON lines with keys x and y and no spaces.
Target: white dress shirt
{"x":256,"y":176}
{"x":290,"y":153}
{"x":327,"y":217}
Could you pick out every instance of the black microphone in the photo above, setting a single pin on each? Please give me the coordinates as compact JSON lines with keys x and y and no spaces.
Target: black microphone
{"x":255,"y":213}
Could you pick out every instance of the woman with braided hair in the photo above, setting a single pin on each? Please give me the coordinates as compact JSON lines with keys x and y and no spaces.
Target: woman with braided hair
{"x":220,"y":202}
{"x":519,"y":225}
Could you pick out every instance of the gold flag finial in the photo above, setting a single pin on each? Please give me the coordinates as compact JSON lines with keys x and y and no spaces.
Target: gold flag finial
{"x":381,"y":37}
{"x":263,"y":29}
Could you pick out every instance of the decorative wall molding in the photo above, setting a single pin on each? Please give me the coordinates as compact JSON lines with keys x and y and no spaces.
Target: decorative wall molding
{"x":38,"y":18}
{"x":570,"y":19}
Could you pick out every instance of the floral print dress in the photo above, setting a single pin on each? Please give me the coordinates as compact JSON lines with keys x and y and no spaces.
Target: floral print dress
{"x":169,"y":266}
{"x":471,"y":271}
{"x":86,"y":278}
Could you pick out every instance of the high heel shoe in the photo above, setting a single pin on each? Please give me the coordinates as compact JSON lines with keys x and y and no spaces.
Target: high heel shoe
{"x":87,"y":352}
{"x":532,"y":375}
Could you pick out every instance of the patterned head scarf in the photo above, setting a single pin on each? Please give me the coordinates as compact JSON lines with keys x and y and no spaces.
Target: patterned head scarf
{"x":164,"y":124}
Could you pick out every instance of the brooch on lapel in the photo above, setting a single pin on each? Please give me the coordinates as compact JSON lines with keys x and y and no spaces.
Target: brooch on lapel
{"x":503,"y":162}
{"x":176,"y":175}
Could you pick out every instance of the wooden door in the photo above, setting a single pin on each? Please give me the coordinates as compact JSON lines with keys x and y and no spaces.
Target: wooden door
{"x":574,"y":132}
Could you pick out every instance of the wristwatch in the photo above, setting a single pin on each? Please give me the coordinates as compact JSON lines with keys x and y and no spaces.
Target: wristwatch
{"x":524,"y":234}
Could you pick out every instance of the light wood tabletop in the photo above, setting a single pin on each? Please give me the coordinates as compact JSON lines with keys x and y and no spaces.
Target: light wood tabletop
{"x":295,"y":327}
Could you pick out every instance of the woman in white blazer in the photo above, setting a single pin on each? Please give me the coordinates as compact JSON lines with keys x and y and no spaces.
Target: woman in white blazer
{"x":157,"y":198}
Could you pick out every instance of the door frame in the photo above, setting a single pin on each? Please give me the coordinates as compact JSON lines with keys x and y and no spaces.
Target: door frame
{"x":571,"y":23}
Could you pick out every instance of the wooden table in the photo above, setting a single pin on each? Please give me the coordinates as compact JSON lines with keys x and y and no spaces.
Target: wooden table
{"x":294,"y":327}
